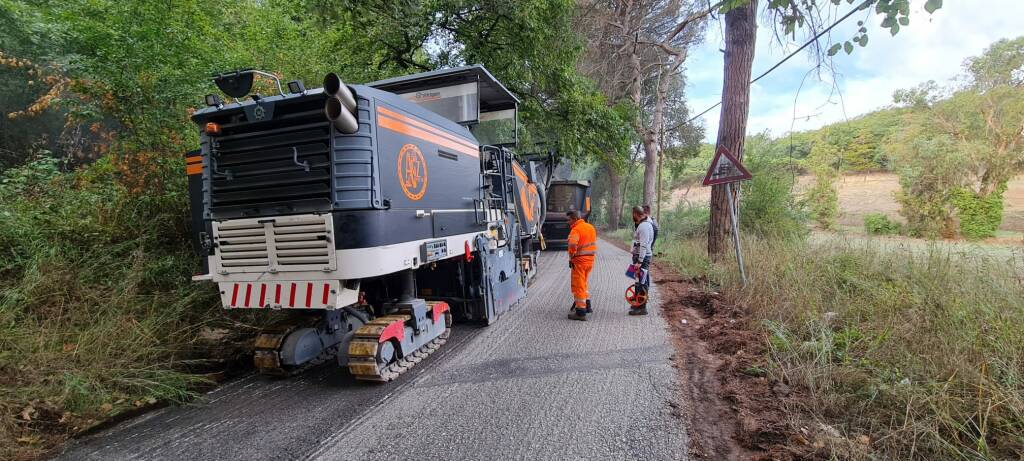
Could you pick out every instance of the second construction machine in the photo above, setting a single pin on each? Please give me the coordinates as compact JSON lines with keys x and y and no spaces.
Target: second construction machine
{"x":564,"y":195}
{"x":374,"y":214}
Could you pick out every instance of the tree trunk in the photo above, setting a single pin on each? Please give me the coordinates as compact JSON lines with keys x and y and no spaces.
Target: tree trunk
{"x":615,"y":197}
{"x":740,"y":37}
{"x":650,"y":168}
{"x":652,"y":136}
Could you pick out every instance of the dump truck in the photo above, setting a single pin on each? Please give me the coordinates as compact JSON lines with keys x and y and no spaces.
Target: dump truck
{"x":374,"y":215}
{"x":564,"y":195}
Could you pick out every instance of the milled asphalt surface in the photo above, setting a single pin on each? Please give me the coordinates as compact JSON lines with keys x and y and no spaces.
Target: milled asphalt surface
{"x":534,"y":385}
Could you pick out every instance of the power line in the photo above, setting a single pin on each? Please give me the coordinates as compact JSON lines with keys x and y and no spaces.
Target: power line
{"x":790,"y":55}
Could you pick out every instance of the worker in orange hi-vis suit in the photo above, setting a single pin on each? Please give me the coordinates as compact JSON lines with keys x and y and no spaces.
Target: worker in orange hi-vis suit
{"x":582,"y":251}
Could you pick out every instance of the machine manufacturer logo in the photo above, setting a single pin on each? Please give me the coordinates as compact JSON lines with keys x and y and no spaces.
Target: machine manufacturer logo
{"x":259,"y":112}
{"x":412,"y":172}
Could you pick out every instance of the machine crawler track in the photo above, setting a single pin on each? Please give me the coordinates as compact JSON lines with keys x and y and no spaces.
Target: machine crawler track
{"x":331,"y":353}
{"x":267,"y":351}
{"x":370,"y":359}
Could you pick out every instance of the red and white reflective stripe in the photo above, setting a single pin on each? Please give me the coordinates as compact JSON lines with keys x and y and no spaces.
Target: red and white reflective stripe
{"x":300,"y":294}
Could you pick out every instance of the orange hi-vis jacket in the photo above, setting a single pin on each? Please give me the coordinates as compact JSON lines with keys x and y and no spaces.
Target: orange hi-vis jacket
{"x":582,"y":242}
{"x":582,"y":251}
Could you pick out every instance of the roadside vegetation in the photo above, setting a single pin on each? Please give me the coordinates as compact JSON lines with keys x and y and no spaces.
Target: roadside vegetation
{"x":903,"y":353}
{"x":97,"y":314}
{"x":954,"y":147}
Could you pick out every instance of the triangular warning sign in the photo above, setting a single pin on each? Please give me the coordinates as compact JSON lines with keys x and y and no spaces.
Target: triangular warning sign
{"x":725,"y":167}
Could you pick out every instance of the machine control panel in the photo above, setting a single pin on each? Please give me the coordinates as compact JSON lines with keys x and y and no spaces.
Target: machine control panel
{"x":433,"y":251}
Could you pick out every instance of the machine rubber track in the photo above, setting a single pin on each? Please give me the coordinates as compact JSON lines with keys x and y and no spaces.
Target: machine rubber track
{"x":364,"y":361}
{"x":267,"y":355}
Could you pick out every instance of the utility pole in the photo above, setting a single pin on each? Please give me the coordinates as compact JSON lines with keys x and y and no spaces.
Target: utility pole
{"x":740,"y":39}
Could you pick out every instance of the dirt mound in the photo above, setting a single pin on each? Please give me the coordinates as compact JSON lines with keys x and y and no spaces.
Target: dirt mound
{"x":733,"y":409}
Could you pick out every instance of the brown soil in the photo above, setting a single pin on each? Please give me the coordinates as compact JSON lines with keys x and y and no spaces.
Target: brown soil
{"x":732,"y":409}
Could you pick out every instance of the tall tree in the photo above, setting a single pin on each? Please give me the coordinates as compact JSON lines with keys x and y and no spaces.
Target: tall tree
{"x":740,"y":39}
{"x":635,"y":52}
{"x":957,"y":153}
{"x":529,"y":45}
{"x":789,"y":15}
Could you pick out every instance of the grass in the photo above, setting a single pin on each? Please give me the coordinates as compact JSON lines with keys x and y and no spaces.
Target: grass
{"x":97,"y":312}
{"x":920,"y":350}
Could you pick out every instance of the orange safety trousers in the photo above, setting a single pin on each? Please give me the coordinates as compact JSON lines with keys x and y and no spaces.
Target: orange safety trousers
{"x":582,"y":251}
{"x":581,"y":266}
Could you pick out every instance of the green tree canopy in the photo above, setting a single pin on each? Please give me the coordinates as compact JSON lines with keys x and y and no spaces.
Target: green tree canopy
{"x":957,"y":153}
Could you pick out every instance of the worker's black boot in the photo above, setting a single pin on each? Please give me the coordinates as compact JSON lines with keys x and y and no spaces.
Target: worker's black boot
{"x":642,"y":310}
{"x":589,"y":310}
{"x":578,"y":314}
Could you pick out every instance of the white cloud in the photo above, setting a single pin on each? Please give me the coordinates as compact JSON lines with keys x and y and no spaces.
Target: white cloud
{"x":931,"y":48}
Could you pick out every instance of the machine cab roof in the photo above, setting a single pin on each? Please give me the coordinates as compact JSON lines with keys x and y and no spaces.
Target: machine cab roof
{"x":468,"y":95}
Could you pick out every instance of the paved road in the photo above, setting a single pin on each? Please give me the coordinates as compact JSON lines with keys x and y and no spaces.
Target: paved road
{"x":533,"y":386}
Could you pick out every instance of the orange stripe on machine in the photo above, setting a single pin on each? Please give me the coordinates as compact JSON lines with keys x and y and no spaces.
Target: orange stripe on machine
{"x":194,"y":168}
{"x":430,"y":129}
{"x":194,"y":159}
{"x":399,"y":127}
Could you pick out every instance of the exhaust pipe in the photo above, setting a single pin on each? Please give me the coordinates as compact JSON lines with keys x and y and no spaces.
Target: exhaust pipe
{"x":340,"y":107}
{"x":342,"y":119}
{"x":333,"y":86}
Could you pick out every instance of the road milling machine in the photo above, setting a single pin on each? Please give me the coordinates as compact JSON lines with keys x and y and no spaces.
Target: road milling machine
{"x":374,"y":214}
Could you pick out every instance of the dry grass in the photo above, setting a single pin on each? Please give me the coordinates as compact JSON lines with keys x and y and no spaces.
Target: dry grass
{"x":906,"y":354}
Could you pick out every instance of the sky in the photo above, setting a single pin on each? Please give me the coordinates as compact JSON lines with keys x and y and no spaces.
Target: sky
{"x":932,"y":47}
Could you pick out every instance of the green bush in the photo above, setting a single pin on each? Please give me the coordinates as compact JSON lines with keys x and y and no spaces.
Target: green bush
{"x":929,"y":169}
{"x":768,"y":207}
{"x":880,"y":224}
{"x":822,"y":201}
{"x":980,"y":217}
{"x":97,"y":310}
{"x":685,"y":221}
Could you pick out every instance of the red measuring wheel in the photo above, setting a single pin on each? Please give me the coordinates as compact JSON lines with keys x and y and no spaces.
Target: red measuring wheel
{"x":635,"y":299}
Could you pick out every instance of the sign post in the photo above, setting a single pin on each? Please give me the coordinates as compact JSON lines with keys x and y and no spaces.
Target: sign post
{"x":727,"y":169}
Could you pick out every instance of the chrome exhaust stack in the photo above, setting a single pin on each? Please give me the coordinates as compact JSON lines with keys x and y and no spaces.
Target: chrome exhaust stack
{"x":340,"y":107}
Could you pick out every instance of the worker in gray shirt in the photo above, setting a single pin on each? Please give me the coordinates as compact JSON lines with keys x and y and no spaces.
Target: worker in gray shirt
{"x":647,"y":211}
{"x":643,"y":238}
